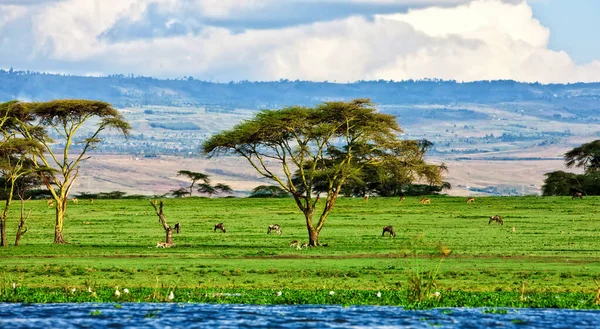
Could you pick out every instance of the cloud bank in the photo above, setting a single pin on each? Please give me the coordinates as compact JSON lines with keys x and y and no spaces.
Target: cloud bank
{"x":335,"y":40}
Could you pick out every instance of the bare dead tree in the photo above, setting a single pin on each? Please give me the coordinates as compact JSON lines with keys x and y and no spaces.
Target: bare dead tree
{"x":163,"y":221}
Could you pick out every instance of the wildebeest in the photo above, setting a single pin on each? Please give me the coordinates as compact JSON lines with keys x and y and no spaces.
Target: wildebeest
{"x":577,"y":195}
{"x":221,"y":227}
{"x":275,"y":228}
{"x":425,"y":201}
{"x":496,"y":219}
{"x":470,"y":200}
{"x":177,"y":228}
{"x":390,"y":230}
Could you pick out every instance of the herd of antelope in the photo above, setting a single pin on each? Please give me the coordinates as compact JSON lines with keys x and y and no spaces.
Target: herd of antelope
{"x":386,"y":229}
{"x":276,"y":228}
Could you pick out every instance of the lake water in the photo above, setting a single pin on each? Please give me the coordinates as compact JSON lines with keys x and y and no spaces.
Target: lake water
{"x":150,"y":315}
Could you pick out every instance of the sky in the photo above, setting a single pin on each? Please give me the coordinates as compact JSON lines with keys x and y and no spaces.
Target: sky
{"x":549,"y":41}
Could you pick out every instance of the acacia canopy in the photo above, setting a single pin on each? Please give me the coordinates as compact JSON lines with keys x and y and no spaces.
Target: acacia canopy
{"x":314,"y":151}
{"x":35,"y":120}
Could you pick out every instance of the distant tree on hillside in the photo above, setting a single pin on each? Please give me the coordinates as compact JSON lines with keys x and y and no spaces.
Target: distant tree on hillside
{"x":194,"y":177}
{"x":268,"y":191}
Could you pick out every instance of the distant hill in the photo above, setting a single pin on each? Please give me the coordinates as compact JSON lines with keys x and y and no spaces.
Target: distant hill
{"x":131,"y":91}
{"x":497,"y":137}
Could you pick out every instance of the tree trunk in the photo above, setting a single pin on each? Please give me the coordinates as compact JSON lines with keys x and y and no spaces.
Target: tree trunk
{"x":20,"y":229}
{"x":20,"y":232}
{"x":3,"y":242}
{"x":3,"y":232}
{"x":60,"y":218}
{"x":169,"y":238}
{"x":313,"y":238}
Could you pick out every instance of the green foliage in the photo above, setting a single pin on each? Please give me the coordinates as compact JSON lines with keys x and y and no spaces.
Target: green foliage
{"x":586,"y":156}
{"x":268,"y":191}
{"x":328,"y":145}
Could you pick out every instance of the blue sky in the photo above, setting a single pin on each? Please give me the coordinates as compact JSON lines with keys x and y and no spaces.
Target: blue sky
{"x":335,"y":40}
{"x":574,"y":26}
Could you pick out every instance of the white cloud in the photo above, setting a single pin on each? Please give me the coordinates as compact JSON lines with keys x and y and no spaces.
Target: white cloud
{"x":455,"y":39}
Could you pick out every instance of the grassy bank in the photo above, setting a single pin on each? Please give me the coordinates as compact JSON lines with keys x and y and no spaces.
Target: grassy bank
{"x":554,"y":248}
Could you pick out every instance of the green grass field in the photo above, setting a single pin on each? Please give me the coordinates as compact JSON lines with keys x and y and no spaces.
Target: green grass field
{"x":555,"y":246}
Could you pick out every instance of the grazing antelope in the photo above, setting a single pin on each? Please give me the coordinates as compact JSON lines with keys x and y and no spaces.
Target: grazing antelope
{"x":402,"y":198}
{"x":298,"y":245}
{"x":92,"y":200}
{"x":50,"y":203}
{"x":177,"y":228}
{"x":577,"y":195}
{"x":164,"y":245}
{"x":425,"y":201}
{"x":496,"y":219}
{"x":470,"y":200}
{"x":275,"y":228}
{"x":75,"y":201}
{"x":221,"y":227}
{"x":366,"y":198}
{"x":390,"y":230}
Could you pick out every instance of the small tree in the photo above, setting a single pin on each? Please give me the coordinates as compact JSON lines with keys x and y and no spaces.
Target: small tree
{"x":15,"y":161}
{"x":180,"y":193}
{"x":163,"y":221}
{"x":268,"y":191}
{"x":194,"y":177}
{"x":65,"y":118}
{"x":329,"y":143}
{"x":207,"y":188}
{"x":222,"y":189}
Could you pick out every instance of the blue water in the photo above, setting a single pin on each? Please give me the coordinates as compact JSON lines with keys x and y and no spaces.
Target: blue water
{"x":147,"y":315}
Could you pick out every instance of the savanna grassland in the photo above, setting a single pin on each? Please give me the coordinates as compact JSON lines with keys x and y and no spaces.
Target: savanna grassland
{"x":554,"y":248}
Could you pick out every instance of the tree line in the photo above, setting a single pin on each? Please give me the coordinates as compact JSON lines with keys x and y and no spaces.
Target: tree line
{"x":325,"y":151}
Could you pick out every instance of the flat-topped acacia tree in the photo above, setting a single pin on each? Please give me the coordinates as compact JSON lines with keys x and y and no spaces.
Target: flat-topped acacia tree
{"x":300,"y":148}
{"x":15,"y":162}
{"x":65,"y":118}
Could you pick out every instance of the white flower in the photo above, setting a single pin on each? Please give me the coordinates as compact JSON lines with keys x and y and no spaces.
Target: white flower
{"x":279,"y":293}
{"x":74,"y":290}
{"x":89,"y":289}
{"x":378,"y":294}
{"x":14,"y":285}
{"x":171,"y":295}
{"x":331,"y":293}
{"x":437,"y":294}
{"x":125,"y":291}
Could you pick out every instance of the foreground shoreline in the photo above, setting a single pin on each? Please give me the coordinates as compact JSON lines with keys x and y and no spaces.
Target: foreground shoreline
{"x":437,"y":299}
